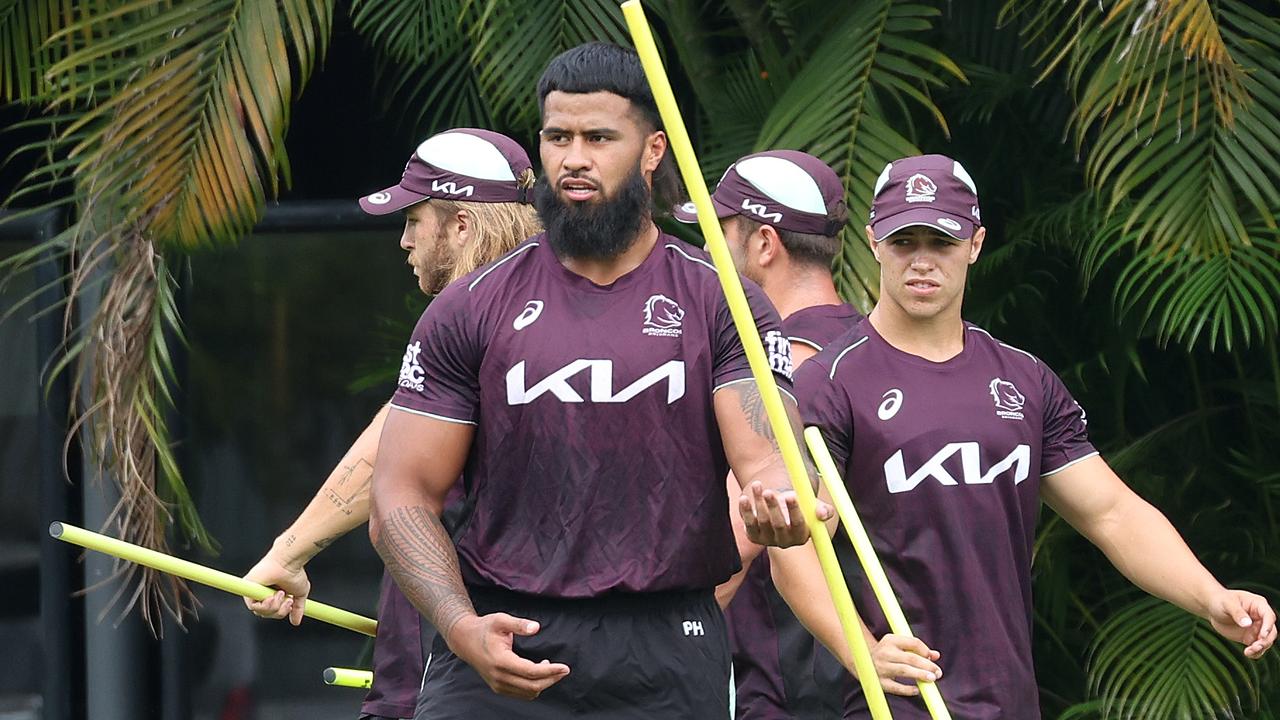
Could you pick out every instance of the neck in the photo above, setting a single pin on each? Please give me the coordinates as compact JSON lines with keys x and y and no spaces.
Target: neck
{"x":938,"y":338}
{"x":605,"y":271}
{"x":796,"y":289}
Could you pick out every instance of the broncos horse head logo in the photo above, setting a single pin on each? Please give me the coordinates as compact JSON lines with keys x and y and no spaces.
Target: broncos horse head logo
{"x":662,"y":312}
{"x":1006,"y":395}
{"x":921,"y":187}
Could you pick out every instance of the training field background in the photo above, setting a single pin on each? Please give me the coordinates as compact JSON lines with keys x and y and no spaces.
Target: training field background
{"x":1127,"y":157}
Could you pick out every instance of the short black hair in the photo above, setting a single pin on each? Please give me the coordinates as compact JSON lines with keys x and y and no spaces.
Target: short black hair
{"x":605,"y":67}
{"x":600,"y":67}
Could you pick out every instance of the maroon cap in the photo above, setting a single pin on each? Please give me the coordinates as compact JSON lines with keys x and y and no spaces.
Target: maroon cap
{"x":460,"y":164}
{"x":931,"y":190}
{"x":787,"y":189}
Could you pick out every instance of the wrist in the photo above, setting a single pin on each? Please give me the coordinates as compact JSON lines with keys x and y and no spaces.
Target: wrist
{"x":291,"y":550}
{"x":455,"y":634}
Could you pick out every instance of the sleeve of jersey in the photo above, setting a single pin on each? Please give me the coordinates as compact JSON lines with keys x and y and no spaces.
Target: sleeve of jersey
{"x":825,"y":406}
{"x":1066,"y":436}
{"x":439,"y":374}
{"x":731,"y":358}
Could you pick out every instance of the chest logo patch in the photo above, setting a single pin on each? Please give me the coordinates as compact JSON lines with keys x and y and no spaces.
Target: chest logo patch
{"x":662,"y":317}
{"x":532,"y":310}
{"x":890,"y":405}
{"x":1009,"y":401}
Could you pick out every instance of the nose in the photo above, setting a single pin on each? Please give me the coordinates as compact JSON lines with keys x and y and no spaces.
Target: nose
{"x":406,"y":241}
{"x":577,"y":157}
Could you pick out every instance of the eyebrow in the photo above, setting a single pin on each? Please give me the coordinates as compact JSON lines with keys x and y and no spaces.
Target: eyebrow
{"x":608,"y":132}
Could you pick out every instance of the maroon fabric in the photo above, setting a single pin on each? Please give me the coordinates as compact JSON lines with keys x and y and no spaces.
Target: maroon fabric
{"x":597,"y":464}
{"x":772,"y":652}
{"x":931,"y":190}
{"x":735,"y":195}
{"x":397,"y":656}
{"x":944,"y":461}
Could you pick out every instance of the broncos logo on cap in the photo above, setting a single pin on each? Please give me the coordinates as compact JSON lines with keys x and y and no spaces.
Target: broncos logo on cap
{"x":662,"y":312}
{"x":921,"y":188}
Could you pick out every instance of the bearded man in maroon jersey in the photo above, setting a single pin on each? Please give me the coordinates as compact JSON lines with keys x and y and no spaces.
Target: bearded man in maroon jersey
{"x":948,"y":440}
{"x":592,"y":390}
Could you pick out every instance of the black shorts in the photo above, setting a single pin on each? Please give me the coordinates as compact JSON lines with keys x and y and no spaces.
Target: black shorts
{"x":644,"y":657}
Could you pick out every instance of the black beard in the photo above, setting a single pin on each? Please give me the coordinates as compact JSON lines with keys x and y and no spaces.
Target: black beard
{"x":594,"y":230}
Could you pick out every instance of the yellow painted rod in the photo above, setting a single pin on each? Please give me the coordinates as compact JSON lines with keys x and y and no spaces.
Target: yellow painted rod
{"x":744,"y":320}
{"x":348,"y":677}
{"x":867,"y":557}
{"x":203,"y":575}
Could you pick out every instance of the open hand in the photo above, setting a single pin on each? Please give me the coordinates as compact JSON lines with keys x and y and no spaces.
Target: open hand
{"x":773,"y":517}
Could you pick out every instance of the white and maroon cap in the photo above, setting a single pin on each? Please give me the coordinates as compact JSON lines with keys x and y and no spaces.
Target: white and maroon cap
{"x":461,"y":164}
{"x":931,"y":190}
{"x":787,"y":189}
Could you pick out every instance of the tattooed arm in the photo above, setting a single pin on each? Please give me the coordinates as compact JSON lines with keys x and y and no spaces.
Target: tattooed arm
{"x":768,"y":505}
{"x":341,"y":504}
{"x":420,"y":459}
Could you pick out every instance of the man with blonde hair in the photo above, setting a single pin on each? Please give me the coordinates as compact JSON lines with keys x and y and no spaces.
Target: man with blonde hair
{"x":466,"y":198}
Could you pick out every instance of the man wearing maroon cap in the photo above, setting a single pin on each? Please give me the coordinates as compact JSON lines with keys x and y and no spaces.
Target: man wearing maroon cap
{"x":782,"y":212}
{"x":466,"y":197}
{"x":591,"y":388}
{"x":948,"y":440}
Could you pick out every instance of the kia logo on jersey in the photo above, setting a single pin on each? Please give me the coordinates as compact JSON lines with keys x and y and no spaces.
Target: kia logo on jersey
{"x":600,"y":376}
{"x":971,"y":473}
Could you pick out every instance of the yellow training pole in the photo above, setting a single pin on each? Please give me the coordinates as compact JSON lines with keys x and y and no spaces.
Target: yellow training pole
{"x":678,"y":138}
{"x":348,"y":677}
{"x":205,"y":576}
{"x":867,"y":556}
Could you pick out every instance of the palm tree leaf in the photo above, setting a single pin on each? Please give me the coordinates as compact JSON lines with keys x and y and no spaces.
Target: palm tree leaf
{"x":834,"y":109}
{"x":1152,"y":660}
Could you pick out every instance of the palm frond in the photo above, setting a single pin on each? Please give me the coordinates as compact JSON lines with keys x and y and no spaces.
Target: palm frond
{"x":514,"y":41}
{"x":1152,"y":661}
{"x":834,"y":109}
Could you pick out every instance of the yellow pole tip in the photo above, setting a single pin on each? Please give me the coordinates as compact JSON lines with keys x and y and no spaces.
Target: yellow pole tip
{"x":330,"y":676}
{"x":55,"y":529}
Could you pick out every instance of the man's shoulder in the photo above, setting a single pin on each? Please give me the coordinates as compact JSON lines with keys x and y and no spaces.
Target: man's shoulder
{"x":1005,"y":354}
{"x":838,"y":356}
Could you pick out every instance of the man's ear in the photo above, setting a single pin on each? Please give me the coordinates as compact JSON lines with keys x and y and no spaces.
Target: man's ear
{"x":871,"y":240}
{"x":461,"y":222}
{"x":655,"y":148}
{"x":975,"y":244}
{"x":768,"y":245}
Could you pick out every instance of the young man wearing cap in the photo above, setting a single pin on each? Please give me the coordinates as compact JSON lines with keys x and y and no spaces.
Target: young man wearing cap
{"x":949,"y":439}
{"x":466,"y":196}
{"x":592,"y":389}
{"x":781,"y":212}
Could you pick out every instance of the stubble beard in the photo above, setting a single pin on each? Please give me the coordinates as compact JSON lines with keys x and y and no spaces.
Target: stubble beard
{"x":599,"y":230}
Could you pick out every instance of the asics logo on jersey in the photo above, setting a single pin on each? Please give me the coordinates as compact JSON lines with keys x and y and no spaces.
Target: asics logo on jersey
{"x":1008,"y":400}
{"x":890,"y":405}
{"x":411,"y":375}
{"x":532,"y":310}
{"x":662,"y":316}
{"x":761,"y":211}
{"x":600,"y":375}
{"x":449,"y":187}
{"x":971,"y":473}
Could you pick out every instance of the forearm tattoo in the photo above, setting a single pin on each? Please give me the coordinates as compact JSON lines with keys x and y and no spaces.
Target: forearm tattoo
{"x":752,"y":404}
{"x":352,"y":487}
{"x":420,"y":556}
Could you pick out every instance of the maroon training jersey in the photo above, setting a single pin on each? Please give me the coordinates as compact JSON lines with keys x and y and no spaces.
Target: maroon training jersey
{"x":597,"y":464}
{"x":772,"y":651}
{"x":397,"y":656}
{"x":943,"y":461}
